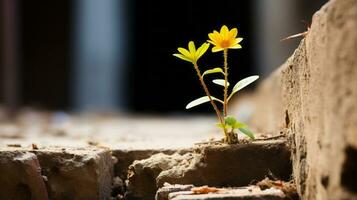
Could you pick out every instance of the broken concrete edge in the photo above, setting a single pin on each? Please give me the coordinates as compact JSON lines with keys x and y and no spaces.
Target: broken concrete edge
{"x":163,"y":192}
{"x":21,"y":176}
{"x":126,"y":157}
{"x":66,"y":161}
{"x":187,"y":192}
{"x":79,"y":173}
{"x":312,"y":97}
{"x":210,"y":164}
{"x":115,"y":161}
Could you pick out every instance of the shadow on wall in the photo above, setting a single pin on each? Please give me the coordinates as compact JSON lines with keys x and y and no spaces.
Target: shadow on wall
{"x":349,"y":172}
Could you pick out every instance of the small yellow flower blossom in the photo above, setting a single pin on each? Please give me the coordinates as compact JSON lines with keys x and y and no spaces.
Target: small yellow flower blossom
{"x":225,"y":39}
{"x":192,"y":55}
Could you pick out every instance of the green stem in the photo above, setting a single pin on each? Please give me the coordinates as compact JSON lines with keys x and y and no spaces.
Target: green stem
{"x":210,"y":98}
{"x":225,"y":101}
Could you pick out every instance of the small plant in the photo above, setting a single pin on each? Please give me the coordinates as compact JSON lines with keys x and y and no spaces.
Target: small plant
{"x":221,"y":41}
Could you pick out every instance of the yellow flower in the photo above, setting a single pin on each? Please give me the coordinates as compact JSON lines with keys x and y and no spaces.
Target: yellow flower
{"x":192,"y":55}
{"x":225,"y":39}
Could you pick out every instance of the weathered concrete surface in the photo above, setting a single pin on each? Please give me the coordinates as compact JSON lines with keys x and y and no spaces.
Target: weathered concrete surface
{"x":142,"y":174}
{"x":85,"y":173}
{"x":215,"y":165}
{"x":59,"y":173}
{"x":126,"y":157}
{"x":20,"y":176}
{"x":313,"y":98}
{"x":244,"y":193}
{"x":232,"y":165}
{"x":163,"y":192}
{"x":118,"y":132}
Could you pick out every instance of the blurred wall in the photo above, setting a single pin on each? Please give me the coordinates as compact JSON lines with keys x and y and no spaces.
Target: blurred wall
{"x":45,"y":53}
{"x":275,"y":20}
{"x":99,"y":50}
{"x":10,"y":55}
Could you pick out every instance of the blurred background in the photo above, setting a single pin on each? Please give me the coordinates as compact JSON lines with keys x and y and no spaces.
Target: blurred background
{"x":116,"y":55}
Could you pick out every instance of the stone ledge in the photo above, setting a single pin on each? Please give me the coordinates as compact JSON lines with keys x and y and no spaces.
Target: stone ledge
{"x":183,"y":192}
{"x":83,"y":173}
{"x":20,"y":176}
{"x":216,"y":165}
{"x":163,"y":192}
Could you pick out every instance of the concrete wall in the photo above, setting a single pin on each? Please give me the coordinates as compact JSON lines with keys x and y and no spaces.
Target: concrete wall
{"x":313,"y":99}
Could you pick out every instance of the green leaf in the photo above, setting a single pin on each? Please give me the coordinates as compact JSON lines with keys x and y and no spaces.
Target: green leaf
{"x":234,"y":123}
{"x":201,"y":100}
{"x":230,"y":121}
{"x":239,"y":125}
{"x":220,"y":125}
{"x":220,"y":82}
{"x":247,"y":132}
{"x":212,"y":71}
{"x":243,"y":83}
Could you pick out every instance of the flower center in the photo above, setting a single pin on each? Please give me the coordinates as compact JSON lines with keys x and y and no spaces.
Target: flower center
{"x":225,"y":43}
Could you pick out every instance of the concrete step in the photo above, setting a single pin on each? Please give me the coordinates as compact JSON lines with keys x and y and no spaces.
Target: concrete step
{"x":217,"y":164}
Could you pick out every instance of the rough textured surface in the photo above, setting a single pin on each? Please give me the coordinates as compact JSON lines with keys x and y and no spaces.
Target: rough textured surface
{"x":20,"y":176}
{"x":214,"y":165}
{"x":163,"y":193}
{"x":142,"y":174}
{"x":120,"y":132}
{"x":246,"y":193}
{"x":67,"y":173}
{"x":77,"y":173}
{"x":313,"y":99}
{"x":232,"y":165}
{"x":126,"y":157}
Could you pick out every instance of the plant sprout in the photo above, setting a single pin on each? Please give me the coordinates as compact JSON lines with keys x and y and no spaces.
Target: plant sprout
{"x":221,"y":41}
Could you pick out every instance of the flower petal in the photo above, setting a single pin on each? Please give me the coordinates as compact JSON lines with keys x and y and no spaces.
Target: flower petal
{"x":224,"y":31}
{"x":238,"y":40}
{"x":184,"y":52}
{"x":217,"y":35}
{"x":212,"y":37}
{"x":216,"y":49}
{"x":182,"y":57}
{"x":236,"y":46}
{"x":224,"y":39}
{"x":211,"y":42}
{"x":200,"y":51}
{"x":233,"y":33}
{"x":191,"y":47}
